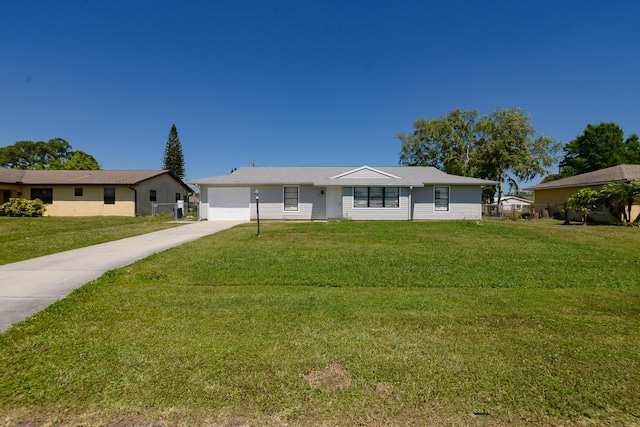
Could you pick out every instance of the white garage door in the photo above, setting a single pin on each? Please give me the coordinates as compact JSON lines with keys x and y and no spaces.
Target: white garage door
{"x":229,"y":204}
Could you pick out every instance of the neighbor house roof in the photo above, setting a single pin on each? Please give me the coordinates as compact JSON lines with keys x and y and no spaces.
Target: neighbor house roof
{"x":402,"y":176}
{"x":621,"y":173}
{"x":85,"y":177}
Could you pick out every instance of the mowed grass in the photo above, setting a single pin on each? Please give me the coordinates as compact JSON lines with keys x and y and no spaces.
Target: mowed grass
{"x":345,"y":323}
{"x":24,"y":238}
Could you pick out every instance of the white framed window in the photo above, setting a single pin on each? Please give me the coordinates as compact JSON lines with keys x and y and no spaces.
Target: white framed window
{"x":290,"y":195}
{"x":376,"y":197}
{"x":441,"y":199}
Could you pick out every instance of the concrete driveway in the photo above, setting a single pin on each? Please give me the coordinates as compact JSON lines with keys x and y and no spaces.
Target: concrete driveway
{"x":27,"y":287}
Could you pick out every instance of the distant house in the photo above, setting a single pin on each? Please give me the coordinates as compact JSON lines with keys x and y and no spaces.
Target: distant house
{"x":515,"y":204}
{"x":552,"y":195}
{"x":94,"y":193}
{"x":359,"y":193}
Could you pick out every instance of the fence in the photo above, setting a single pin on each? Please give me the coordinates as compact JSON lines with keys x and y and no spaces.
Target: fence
{"x":508,"y":212}
{"x":179,"y":210}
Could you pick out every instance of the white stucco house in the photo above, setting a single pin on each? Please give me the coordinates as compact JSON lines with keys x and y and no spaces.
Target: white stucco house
{"x":359,"y":193}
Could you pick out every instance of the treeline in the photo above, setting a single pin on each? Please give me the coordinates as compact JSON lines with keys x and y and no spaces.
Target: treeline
{"x":55,"y":154}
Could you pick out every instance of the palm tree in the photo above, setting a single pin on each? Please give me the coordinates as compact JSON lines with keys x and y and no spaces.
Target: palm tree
{"x":583,"y":202}
{"x":618,"y":197}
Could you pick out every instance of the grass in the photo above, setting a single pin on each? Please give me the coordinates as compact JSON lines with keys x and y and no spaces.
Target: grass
{"x":24,"y":238}
{"x":344,"y":323}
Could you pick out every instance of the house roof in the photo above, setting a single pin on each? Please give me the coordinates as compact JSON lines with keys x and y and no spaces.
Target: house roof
{"x":82,"y":177}
{"x":603,"y":176}
{"x":516,"y":199}
{"x":397,"y":176}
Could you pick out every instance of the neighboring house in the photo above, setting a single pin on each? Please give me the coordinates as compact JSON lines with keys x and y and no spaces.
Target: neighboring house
{"x":552,"y":195}
{"x":515,"y":204}
{"x":95,"y":192}
{"x":359,"y":193}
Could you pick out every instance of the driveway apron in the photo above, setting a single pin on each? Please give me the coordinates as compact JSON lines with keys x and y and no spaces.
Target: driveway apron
{"x":27,"y":287}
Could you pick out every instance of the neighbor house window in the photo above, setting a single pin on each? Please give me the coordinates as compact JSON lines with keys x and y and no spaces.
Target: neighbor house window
{"x":78,"y":192}
{"x":290,"y":198}
{"x":152,"y":195}
{"x":44,"y":194}
{"x":109,"y":196}
{"x":376,"y":197}
{"x":441,"y":198}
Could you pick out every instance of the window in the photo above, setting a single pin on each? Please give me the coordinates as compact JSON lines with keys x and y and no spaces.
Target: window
{"x":178,"y":197}
{"x":152,"y":195}
{"x":44,"y":194}
{"x":290,"y":198}
{"x":376,"y":197}
{"x":78,"y":192}
{"x":441,"y":197}
{"x":109,"y":196}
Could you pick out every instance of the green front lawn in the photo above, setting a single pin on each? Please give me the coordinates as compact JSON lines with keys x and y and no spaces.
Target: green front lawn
{"x":24,"y":238}
{"x":345,"y":323}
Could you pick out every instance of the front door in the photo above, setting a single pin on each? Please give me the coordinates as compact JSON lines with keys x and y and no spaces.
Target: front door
{"x":334,"y":202}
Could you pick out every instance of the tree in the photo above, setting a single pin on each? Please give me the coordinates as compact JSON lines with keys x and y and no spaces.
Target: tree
{"x":501,"y":146}
{"x":173,"y":159}
{"x":53,"y":154}
{"x":599,"y":147}
{"x":618,"y":197}
{"x":79,"y":161}
{"x":447,"y":143}
{"x":583,"y":202}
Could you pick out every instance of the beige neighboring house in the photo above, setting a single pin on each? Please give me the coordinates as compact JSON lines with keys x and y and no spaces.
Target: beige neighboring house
{"x":513,"y":203}
{"x":95,"y":192}
{"x":552,"y":195}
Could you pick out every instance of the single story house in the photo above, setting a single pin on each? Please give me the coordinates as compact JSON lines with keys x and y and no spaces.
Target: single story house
{"x":94,"y":192}
{"x":551,"y":196}
{"x":515,"y":204}
{"x":359,"y":193}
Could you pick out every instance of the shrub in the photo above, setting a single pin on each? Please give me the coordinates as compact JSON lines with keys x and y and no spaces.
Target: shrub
{"x":22,"y":207}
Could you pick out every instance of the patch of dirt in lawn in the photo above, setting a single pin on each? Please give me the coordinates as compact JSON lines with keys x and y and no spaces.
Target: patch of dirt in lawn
{"x":333,"y":377}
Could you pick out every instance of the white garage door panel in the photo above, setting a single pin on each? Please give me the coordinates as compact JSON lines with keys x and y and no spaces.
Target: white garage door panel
{"x":229,"y":204}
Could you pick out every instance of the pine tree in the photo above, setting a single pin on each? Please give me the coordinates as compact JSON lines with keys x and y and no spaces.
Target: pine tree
{"x":173,"y":159}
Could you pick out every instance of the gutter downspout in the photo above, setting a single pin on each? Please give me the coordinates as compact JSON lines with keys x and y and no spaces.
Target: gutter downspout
{"x":410,"y":208}
{"x":135,"y":200}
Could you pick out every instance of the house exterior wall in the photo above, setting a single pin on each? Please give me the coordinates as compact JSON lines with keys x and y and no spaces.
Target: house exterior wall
{"x":554,"y":198}
{"x":311,"y":203}
{"x":91,"y":203}
{"x":464,"y":203}
{"x":372,"y":214}
{"x":166,"y":189}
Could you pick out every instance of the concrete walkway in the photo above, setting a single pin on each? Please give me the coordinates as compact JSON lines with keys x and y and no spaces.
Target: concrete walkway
{"x":27,"y":287}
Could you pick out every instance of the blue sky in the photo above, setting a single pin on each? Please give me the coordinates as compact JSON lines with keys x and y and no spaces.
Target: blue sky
{"x":304,"y":83}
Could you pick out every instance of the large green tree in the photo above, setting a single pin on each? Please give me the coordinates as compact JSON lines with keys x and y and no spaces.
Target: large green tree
{"x":173,"y":159}
{"x":447,"y":143}
{"x":53,"y":154}
{"x":502,"y":146}
{"x":509,"y":148}
{"x":600,"y":146}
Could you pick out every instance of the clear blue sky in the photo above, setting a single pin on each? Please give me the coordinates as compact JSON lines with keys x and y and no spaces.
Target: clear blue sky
{"x":304,"y":83}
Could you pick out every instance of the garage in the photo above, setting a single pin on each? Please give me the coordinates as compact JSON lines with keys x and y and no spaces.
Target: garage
{"x":229,"y":204}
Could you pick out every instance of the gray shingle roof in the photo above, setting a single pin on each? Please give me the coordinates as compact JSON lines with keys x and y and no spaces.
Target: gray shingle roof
{"x":93,"y":177}
{"x":415,"y":176}
{"x":600,"y":177}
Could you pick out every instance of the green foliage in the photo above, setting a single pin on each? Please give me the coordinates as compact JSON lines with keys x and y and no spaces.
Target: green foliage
{"x":173,"y":158}
{"x":79,"y":161}
{"x":447,"y":143}
{"x":22,"y":208}
{"x":599,"y":147}
{"x":53,"y":154}
{"x":619,"y":197}
{"x":583,"y":202}
{"x":501,"y":146}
